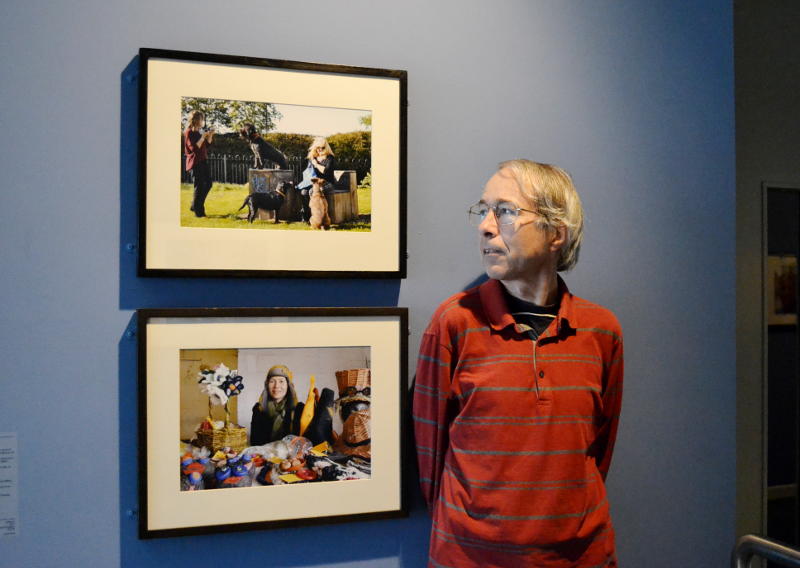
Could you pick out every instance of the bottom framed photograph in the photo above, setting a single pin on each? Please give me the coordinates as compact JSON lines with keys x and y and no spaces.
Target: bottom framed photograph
{"x":256,"y":418}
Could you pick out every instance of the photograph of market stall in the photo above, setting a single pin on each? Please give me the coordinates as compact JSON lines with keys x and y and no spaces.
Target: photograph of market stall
{"x":263,"y":417}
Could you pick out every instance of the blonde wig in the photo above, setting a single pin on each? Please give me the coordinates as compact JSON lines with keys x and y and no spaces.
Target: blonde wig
{"x":319,"y":142}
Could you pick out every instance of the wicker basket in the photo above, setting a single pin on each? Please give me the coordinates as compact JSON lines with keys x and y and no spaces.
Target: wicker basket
{"x":356,"y":427}
{"x":358,"y":378}
{"x":234,"y":437}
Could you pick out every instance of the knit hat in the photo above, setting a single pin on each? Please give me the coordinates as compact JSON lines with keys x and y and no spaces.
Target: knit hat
{"x":279,"y":371}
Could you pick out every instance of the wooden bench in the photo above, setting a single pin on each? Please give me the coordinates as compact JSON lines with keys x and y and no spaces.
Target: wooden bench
{"x":342,"y":202}
{"x":263,"y":181}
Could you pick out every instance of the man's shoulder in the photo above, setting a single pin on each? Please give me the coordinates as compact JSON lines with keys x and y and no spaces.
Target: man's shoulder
{"x":587,"y":314}
{"x":461,"y":309}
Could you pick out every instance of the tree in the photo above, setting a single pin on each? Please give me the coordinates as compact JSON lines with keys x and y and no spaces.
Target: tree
{"x":366,"y":121}
{"x":215,"y":111}
{"x":261,"y":115}
{"x":225,"y":115}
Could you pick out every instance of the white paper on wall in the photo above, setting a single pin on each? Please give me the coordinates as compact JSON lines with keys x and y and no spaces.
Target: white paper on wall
{"x":9,"y":503}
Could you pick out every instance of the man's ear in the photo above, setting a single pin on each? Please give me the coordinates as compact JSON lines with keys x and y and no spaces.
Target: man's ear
{"x":558,"y":238}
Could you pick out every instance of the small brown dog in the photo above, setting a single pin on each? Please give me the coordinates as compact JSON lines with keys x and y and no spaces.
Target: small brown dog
{"x":319,"y":206}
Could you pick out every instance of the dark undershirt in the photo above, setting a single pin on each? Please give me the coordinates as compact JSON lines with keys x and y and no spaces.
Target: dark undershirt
{"x":536,"y":318}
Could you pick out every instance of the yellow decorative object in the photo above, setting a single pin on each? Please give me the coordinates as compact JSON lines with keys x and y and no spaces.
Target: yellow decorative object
{"x":290,"y":478}
{"x":308,"y":409}
{"x":320,"y":449}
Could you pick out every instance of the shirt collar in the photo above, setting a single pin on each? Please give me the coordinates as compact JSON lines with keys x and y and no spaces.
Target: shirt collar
{"x":494,"y":304}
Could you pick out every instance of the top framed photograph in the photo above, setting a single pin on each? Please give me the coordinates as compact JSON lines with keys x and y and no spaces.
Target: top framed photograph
{"x":268,"y":168}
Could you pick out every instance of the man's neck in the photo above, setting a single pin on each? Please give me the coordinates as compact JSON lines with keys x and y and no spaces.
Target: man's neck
{"x":541,"y":290}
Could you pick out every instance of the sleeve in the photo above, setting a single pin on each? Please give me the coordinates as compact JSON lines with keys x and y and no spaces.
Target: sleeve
{"x":330,"y":167}
{"x":327,"y":168}
{"x":603,"y":446}
{"x":430,"y":412}
{"x":257,"y":427}
{"x":190,"y":146}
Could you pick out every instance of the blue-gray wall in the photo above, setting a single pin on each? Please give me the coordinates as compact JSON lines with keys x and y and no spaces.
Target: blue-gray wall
{"x":635,"y":99}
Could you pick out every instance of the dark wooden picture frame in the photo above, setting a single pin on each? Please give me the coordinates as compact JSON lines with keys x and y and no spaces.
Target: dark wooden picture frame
{"x":232,"y":247}
{"x":167,"y":509}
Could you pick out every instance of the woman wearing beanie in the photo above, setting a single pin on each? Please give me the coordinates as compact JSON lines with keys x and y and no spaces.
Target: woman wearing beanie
{"x":273,"y":413}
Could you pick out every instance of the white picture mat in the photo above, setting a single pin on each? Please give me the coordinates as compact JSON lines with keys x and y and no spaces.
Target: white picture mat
{"x":169,"y":508}
{"x":171,"y":246}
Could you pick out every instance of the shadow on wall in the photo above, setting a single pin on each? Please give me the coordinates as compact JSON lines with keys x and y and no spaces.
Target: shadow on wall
{"x":388,"y":543}
{"x":477,"y":281}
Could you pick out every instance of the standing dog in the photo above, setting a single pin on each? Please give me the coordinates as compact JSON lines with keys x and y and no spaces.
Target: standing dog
{"x":319,"y":206}
{"x":263,"y":151}
{"x":270,"y":201}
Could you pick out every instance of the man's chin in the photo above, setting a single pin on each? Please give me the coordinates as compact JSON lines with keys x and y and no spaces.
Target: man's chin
{"x":494,"y":271}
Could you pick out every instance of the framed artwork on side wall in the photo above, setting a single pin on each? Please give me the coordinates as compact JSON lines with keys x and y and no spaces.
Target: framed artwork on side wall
{"x":262,"y":168}
{"x":781,"y":292}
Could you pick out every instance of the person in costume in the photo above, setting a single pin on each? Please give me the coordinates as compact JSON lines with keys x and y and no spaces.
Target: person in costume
{"x":518,"y":391}
{"x":354,"y":409}
{"x":273,"y":414}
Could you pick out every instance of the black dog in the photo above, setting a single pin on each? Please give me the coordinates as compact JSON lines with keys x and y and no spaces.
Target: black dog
{"x":271,"y":201}
{"x":263,"y":151}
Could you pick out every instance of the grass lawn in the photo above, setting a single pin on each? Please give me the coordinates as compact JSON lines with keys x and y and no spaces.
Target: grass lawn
{"x":224,"y":200}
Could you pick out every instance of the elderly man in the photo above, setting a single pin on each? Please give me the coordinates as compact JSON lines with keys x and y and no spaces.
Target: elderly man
{"x":518,"y":391}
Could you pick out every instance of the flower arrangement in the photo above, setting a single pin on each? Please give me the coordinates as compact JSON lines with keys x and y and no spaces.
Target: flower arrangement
{"x":220,"y":384}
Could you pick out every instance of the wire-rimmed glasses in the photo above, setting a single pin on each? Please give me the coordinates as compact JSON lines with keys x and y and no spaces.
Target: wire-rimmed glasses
{"x":505,"y":213}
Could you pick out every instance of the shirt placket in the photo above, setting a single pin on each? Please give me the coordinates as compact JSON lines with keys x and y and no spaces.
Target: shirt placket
{"x":541,"y":379}
{"x":539,"y":375}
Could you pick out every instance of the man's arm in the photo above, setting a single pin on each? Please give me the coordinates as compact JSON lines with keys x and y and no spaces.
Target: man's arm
{"x":603,"y":446}
{"x":431,"y":394}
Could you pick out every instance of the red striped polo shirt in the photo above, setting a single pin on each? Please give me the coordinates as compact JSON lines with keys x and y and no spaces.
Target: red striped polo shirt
{"x":514,"y":436}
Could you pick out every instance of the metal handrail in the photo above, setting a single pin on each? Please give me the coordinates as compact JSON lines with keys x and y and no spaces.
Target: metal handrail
{"x":751,"y":545}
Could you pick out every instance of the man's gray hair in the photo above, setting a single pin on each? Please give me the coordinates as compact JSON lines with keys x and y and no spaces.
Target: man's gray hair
{"x":556,"y":199}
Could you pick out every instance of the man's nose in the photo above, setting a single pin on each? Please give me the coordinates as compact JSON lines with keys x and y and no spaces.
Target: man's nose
{"x":488,"y":226}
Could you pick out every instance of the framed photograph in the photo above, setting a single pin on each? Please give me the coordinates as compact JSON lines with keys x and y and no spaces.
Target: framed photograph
{"x":781,"y":292}
{"x":255,"y":418}
{"x":262,"y":168}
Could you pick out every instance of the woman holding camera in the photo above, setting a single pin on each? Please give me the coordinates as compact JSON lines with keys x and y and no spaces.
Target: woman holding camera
{"x":195,"y":148}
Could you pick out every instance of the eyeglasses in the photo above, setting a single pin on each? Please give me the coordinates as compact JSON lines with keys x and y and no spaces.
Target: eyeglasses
{"x":505,"y":213}
{"x":352,"y":391}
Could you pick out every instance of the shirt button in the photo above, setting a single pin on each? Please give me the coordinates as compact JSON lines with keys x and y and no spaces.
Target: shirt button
{"x":541,"y":374}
